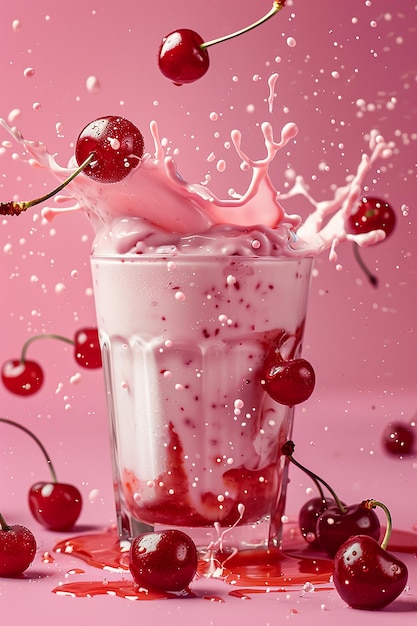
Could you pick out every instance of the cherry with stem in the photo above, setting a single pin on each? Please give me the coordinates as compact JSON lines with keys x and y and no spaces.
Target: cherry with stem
{"x":365,"y":574}
{"x":371,"y":214}
{"x":25,"y":377}
{"x":107,"y":149}
{"x":337,"y":522}
{"x":55,"y":505}
{"x":183,"y":55}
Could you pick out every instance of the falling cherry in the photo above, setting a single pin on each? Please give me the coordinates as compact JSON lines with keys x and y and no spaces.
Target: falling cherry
{"x":371,"y":214}
{"x":24,"y":377}
{"x":183,"y":55}
{"x":107,"y":149}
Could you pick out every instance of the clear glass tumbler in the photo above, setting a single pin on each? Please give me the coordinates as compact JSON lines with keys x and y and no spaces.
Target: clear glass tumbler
{"x":196,"y":440}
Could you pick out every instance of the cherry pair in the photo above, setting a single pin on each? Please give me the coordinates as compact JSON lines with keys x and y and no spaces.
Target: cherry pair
{"x":365,"y":574}
{"x":24,"y":377}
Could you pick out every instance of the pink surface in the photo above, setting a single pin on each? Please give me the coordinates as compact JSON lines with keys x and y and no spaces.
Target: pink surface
{"x":352,"y":69}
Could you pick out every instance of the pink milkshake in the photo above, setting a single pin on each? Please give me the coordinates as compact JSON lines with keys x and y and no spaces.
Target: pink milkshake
{"x":196,"y":298}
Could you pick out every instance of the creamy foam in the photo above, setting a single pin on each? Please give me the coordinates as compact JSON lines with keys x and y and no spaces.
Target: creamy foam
{"x":154,"y":210}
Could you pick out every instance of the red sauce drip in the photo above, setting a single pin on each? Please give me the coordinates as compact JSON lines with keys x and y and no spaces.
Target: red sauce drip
{"x":269,"y":571}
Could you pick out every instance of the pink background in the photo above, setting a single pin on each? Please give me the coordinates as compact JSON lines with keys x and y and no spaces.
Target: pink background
{"x":352,"y":68}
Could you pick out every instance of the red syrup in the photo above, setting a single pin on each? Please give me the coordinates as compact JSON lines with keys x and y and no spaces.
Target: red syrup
{"x":250,"y":572}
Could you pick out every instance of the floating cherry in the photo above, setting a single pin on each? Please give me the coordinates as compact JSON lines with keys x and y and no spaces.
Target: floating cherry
{"x":107,"y":149}
{"x":24,"y":377}
{"x":55,"y":505}
{"x":165,"y":560}
{"x":399,"y":439}
{"x":289,"y":382}
{"x":116,"y":146}
{"x":365,"y":575}
{"x":372,"y":214}
{"x":183,"y":55}
{"x":17,"y":548}
{"x":87,"y":348}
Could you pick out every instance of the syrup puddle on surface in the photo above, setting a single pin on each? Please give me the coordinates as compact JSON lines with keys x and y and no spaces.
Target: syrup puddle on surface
{"x":250,"y":572}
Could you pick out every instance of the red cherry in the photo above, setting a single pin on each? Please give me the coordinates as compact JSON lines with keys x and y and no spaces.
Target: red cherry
{"x":308,"y":516}
{"x":398,"y":438}
{"x":87,"y":348}
{"x":373,"y":214}
{"x":17,"y":548}
{"x":117,"y":147}
{"x":334,"y":527}
{"x":289,"y":382}
{"x":366,"y":576}
{"x":57,"y":506}
{"x":24,"y":378}
{"x":165,"y":560}
{"x":181,"y":57}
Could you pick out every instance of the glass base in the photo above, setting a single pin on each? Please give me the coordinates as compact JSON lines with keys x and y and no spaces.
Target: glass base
{"x":227,"y":539}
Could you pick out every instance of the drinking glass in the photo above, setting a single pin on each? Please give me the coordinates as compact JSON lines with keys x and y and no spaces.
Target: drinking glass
{"x":196,"y":440}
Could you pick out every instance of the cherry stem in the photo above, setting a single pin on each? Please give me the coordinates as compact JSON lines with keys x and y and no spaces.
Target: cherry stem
{"x":40,"y":444}
{"x":372,"y":504}
{"x":371,"y":277}
{"x":3,"y":524}
{"x":288,"y":449}
{"x":277,"y":6}
{"x":16,"y":208}
{"x":47,"y":336}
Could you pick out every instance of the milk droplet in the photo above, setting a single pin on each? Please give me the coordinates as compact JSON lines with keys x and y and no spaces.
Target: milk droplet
{"x":291,"y":42}
{"x":92,"y":84}
{"x":36,"y":106}
{"x":180,"y":296}
{"x":74,"y":380}
{"x":213,"y":116}
{"x":93,"y":494}
{"x":13,"y":115}
{"x":29,"y":72}
{"x":16,"y":25}
{"x":59,"y":287}
{"x":221,"y":165}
